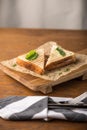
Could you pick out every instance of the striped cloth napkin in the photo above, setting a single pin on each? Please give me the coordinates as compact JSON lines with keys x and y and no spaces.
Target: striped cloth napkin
{"x":42,"y":107}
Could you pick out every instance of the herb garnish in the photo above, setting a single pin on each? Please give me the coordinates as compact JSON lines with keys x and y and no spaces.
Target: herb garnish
{"x":31,"y":55}
{"x":14,"y":65}
{"x":67,"y":69}
{"x":60,"y":73}
{"x":61,"y":51}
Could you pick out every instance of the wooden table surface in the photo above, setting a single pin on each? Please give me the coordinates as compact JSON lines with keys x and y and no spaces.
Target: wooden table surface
{"x":17,"y":41}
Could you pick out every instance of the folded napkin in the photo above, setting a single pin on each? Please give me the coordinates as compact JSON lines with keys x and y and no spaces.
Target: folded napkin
{"x":43,"y":107}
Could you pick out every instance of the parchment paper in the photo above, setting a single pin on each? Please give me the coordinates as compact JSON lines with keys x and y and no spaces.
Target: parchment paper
{"x":50,"y":75}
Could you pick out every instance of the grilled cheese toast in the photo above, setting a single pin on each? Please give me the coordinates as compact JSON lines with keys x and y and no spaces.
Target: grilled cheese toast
{"x":59,"y":57}
{"x":36,"y":65}
{"x":50,"y":57}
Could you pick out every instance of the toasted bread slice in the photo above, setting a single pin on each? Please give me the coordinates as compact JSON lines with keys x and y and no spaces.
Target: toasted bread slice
{"x":56,"y":59}
{"x":47,"y":47}
{"x":36,"y":65}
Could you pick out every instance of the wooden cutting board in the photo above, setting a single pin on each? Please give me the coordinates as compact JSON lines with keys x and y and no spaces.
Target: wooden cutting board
{"x":45,"y":86}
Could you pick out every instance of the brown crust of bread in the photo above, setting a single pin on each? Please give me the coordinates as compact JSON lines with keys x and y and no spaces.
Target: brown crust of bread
{"x":55,"y":65}
{"x":30,"y":66}
{"x":61,"y":60}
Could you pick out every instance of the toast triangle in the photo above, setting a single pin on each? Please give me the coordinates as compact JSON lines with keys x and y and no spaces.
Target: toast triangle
{"x":36,"y":65}
{"x":56,"y":60}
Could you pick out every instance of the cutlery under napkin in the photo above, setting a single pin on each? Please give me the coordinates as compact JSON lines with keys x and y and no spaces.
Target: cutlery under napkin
{"x":44,"y":107}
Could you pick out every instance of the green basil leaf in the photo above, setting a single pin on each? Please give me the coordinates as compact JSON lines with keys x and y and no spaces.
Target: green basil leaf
{"x":31,"y":55}
{"x":61,"y":51}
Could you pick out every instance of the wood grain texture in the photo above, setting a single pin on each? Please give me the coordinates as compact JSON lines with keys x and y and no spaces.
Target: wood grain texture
{"x":14,"y":42}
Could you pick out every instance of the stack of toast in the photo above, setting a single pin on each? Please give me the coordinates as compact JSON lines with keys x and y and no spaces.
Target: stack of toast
{"x":46,"y":58}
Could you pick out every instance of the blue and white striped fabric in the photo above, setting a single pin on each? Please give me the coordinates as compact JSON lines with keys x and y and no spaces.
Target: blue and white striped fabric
{"x":36,"y":107}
